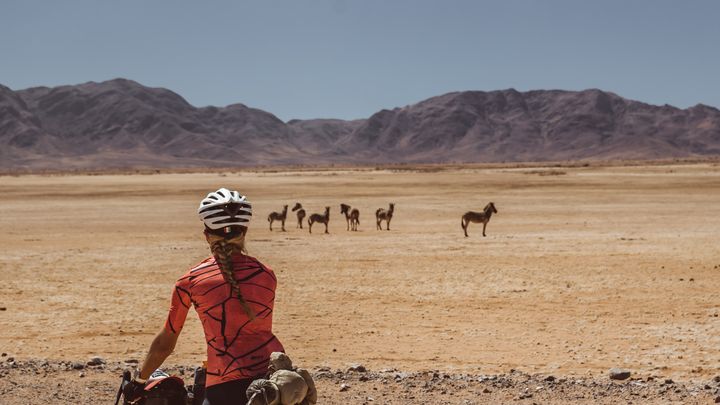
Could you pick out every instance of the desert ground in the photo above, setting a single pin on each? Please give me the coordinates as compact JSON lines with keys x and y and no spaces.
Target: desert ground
{"x":583,"y":269}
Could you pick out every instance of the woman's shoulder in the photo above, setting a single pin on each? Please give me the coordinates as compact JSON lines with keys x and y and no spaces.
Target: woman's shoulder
{"x":255,"y":267}
{"x":207,"y":262}
{"x":194,"y":270}
{"x":249,"y":259}
{"x":253,"y":261}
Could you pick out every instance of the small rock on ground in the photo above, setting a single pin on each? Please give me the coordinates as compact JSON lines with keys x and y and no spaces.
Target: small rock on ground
{"x":619,"y":374}
{"x":95,"y":361}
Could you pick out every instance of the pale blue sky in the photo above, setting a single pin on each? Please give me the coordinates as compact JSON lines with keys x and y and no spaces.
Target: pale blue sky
{"x":348,"y":59}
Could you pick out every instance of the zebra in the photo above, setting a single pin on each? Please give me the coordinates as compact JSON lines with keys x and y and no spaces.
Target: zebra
{"x":386,"y":215}
{"x":477,"y":217}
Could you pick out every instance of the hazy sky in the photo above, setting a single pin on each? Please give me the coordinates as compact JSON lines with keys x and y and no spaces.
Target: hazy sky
{"x":348,"y":59}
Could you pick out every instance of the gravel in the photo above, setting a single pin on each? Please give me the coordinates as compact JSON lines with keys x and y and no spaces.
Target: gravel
{"x":42,"y":381}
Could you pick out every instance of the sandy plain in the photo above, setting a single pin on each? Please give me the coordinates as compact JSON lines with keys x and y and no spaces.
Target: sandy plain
{"x":583,"y":268}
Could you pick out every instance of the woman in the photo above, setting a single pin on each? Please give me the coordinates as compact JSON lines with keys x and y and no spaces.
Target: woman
{"x":233,"y":294}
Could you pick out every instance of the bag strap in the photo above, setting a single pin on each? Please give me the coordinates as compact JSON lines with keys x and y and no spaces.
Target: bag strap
{"x":126,"y":377}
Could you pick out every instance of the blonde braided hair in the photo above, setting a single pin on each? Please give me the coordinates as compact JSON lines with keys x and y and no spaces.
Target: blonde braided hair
{"x":223,"y":249}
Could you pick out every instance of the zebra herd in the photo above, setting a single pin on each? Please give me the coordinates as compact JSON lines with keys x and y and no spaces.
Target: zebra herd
{"x":352,"y":217}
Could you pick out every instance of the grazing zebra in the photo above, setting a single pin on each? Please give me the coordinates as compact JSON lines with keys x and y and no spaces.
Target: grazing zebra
{"x":323,"y":219}
{"x":300,"y":214}
{"x":477,"y":217}
{"x":385,"y":215}
{"x":351,"y":216}
{"x":278,"y":216}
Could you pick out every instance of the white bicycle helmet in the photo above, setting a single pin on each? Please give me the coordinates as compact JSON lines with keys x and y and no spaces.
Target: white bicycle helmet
{"x":224,"y":208}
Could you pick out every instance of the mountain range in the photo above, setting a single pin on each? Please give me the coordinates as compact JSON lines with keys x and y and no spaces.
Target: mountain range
{"x":123,"y":124}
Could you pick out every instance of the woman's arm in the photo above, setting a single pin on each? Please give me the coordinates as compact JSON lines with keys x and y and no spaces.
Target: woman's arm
{"x":161,"y":347}
{"x":164,"y":343}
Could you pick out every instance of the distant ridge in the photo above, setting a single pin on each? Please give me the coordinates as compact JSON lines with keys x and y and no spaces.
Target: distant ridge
{"x":122,"y":124}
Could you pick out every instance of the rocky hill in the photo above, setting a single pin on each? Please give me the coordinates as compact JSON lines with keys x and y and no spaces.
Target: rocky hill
{"x":509,"y":125}
{"x":122,"y":124}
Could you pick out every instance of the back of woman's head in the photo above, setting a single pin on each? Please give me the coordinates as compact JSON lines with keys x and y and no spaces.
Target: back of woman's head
{"x":226,"y":215}
{"x":224,"y":208}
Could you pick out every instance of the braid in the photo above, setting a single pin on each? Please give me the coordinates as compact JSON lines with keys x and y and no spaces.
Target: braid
{"x":222,"y":249}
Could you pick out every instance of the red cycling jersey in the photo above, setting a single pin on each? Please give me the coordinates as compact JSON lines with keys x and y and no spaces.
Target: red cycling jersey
{"x":236,"y":347}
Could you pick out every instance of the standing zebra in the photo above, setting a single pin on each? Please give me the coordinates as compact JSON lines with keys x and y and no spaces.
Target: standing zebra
{"x":300,"y":214}
{"x":478,"y":217}
{"x":278,"y":216}
{"x":351,"y":216}
{"x":386,"y":215}
{"x":323,"y":219}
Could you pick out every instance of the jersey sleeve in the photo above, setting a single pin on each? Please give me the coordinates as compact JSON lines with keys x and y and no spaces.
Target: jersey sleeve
{"x":179,"y":306}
